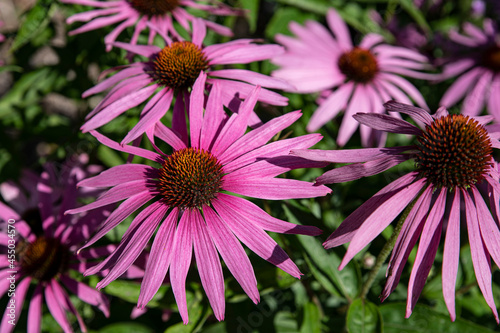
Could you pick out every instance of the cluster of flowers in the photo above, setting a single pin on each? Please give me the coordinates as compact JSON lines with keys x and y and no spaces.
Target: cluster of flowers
{"x":191,"y":198}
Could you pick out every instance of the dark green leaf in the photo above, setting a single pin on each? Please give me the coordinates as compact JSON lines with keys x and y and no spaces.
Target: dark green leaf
{"x":364,"y":317}
{"x":312,"y":319}
{"x":424,"y":320}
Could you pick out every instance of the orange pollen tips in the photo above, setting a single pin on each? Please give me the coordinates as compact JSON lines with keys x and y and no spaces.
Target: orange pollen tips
{"x":43,"y":259}
{"x":491,"y":58}
{"x":190,"y":178}
{"x":455,"y":150}
{"x":358,"y":65}
{"x":154,"y":7}
{"x":179,"y":64}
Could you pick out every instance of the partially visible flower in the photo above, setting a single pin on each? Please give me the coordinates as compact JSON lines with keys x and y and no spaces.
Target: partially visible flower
{"x":157,"y":15}
{"x":359,"y":77}
{"x":479,"y":69}
{"x":455,"y":172}
{"x":172,"y":71}
{"x":39,"y":243}
{"x":192,"y":203}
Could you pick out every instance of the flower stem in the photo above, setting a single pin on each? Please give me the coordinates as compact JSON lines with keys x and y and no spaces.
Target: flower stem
{"x":386,"y":250}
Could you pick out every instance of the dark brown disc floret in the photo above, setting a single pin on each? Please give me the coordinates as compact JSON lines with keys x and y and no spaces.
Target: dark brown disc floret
{"x":43,"y":259}
{"x":190,"y":178}
{"x":179,"y":64}
{"x":358,"y":65}
{"x":154,"y":7}
{"x":455,"y":151}
{"x":491,"y":58}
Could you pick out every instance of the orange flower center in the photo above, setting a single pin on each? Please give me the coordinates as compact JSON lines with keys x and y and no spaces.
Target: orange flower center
{"x":178,"y":65}
{"x":190,"y":178}
{"x":154,"y":7}
{"x":43,"y":259}
{"x":358,"y":65}
{"x":455,"y":150}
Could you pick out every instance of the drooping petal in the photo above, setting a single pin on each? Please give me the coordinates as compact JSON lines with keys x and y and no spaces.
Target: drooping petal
{"x":451,"y":255}
{"x":426,"y":252}
{"x":479,"y":253}
{"x":209,"y":266}
{"x":347,"y":229}
{"x":255,"y":238}
{"x":159,"y":259}
{"x":380,"y":218}
{"x":182,"y":250}
{"x":232,"y":253}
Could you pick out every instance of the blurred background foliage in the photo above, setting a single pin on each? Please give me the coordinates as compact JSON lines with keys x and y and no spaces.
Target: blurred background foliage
{"x":41,"y":110}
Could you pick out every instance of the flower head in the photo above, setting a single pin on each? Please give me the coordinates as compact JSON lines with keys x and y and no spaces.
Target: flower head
{"x":40,"y":243}
{"x":350,"y":78}
{"x":157,"y":15}
{"x":172,"y":70}
{"x":453,"y":158}
{"x":192,"y":204}
{"x":479,"y":69}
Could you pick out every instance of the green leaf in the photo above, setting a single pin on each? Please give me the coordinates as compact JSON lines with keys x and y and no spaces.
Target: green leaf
{"x":410,"y":7}
{"x":346,"y":281}
{"x":108,"y":156}
{"x":252,"y":7}
{"x":364,"y":317}
{"x":35,"y":21}
{"x":197,"y":317}
{"x":312,"y":319}
{"x":279,"y":22}
{"x":284,"y":322}
{"x":424,"y":320}
{"x":130,"y":327}
{"x":129,"y":291}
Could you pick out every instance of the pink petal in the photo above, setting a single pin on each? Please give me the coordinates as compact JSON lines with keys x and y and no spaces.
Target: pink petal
{"x":159,"y":259}
{"x":358,"y":102}
{"x":18,"y":299}
{"x":35,"y":311}
{"x":336,"y":102}
{"x":451,"y":255}
{"x":253,"y":78}
{"x":275,"y":188}
{"x":182,"y":250}
{"x":209,"y":266}
{"x":380,"y":218}
{"x":426,"y":252}
{"x":347,"y":229}
{"x":474,"y":101}
{"x":410,"y":232}
{"x":255,"y":238}
{"x":459,"y":88}
{"x":480,"y":256}
{"x":360,"y":170}
{"x":255,"y":215}
{"x":196,"y":103}
{"x":414,"y":112}
{"x":340,"y":30}
{"x":387,"y":123}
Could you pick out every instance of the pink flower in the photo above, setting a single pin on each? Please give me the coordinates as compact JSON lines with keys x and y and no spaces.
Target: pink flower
{"x":191,"y":203}
{"x":453,"y":160}
{"x":353,"y":77}
{"x":38,"y":244}
{"x":479,"y":81}
{"x":172,"y":71}
{"x":156,"y":15}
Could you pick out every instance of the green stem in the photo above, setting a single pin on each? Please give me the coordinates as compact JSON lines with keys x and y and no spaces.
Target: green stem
{"x":386,"y":250}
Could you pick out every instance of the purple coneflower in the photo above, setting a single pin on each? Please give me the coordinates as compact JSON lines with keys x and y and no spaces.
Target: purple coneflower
{"x":173,"y":70}
{"x":362,"y":77}
{"x":191,"y":201}
{"x":479,"y":83}
{"x":38,"y":245}
{"x":157,"y":15}
{"x":453,"y":163}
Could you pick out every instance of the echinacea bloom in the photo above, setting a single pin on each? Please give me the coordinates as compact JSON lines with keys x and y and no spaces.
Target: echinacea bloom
{"x":352,"y":78}
{"x":173,"y":70}
{"x":455,"y":173}
{"x":38,"y":246}
{"x":157,"y":15}
{"x":479,"y":69}
{"x":191,"y":201}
